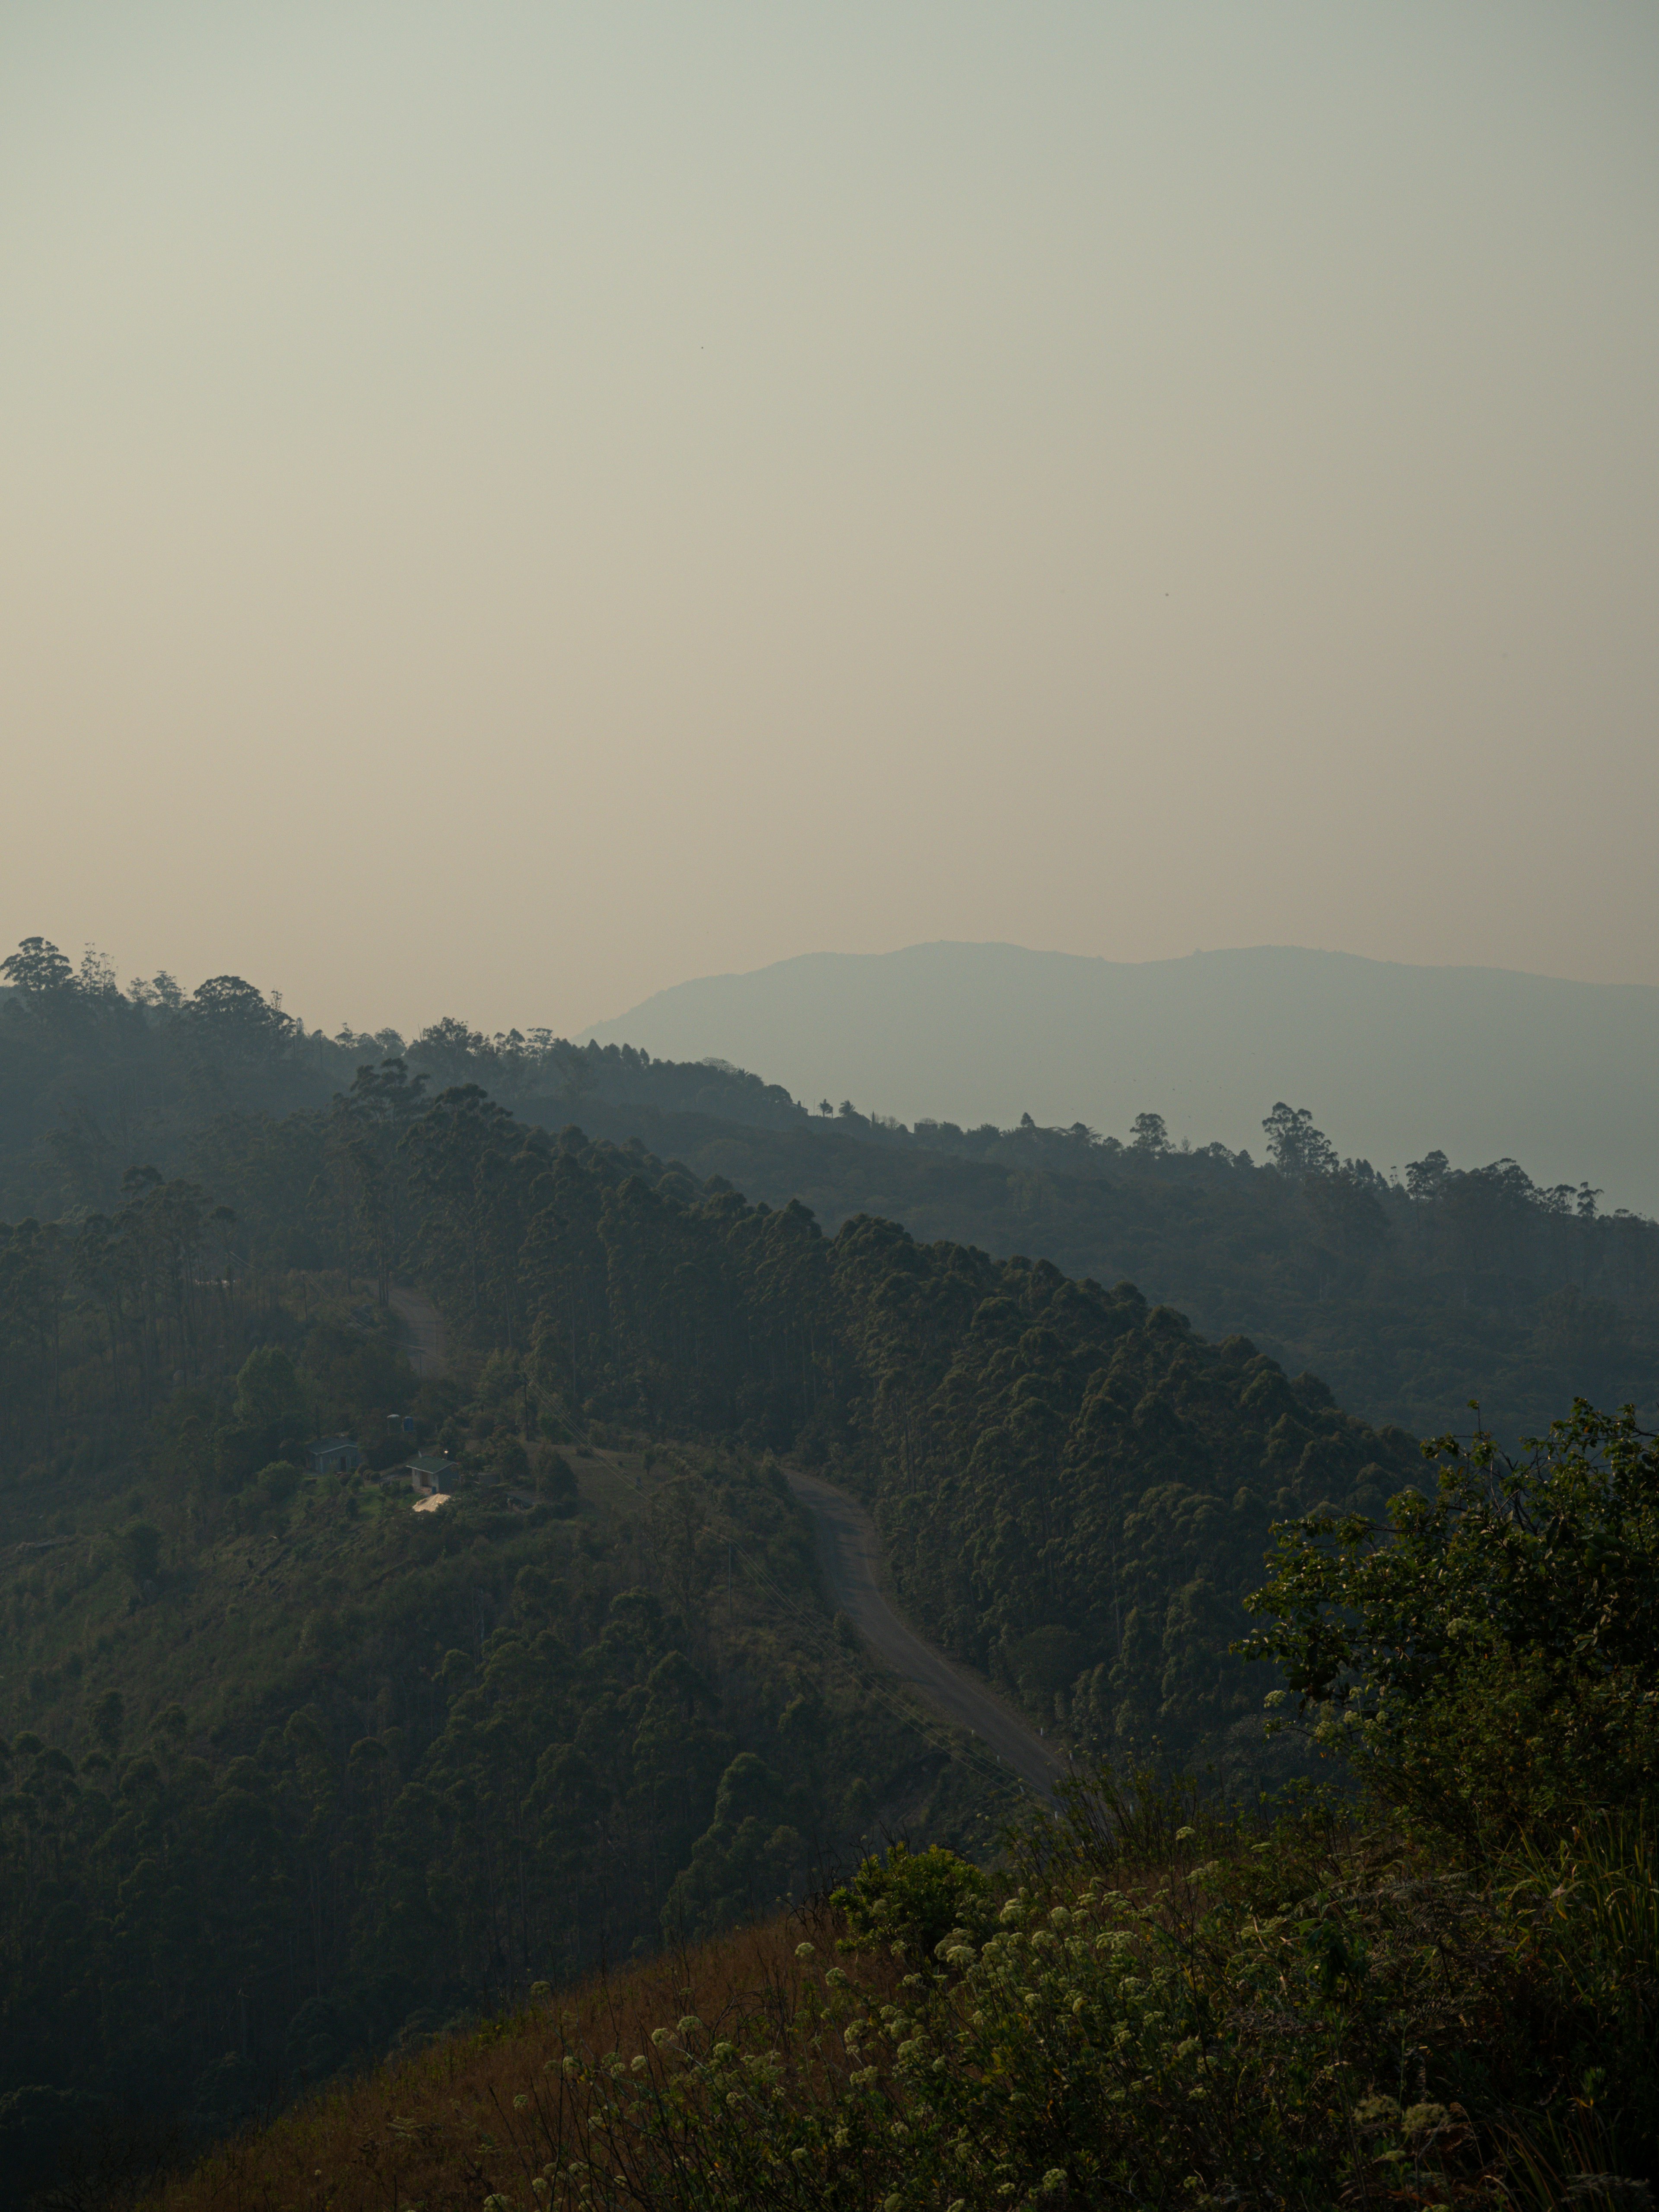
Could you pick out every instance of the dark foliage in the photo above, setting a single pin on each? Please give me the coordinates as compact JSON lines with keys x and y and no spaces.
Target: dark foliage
{"x":1487,"y":1657}
{"x":1076,"y":1490}
{"x":1409,"y":1294}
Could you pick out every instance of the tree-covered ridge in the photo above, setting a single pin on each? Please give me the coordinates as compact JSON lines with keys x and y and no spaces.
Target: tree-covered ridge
{"x":292,"y":1773}
{"x":1080,"y":1501}
{"x":94,"y":1079}
{"x":1410,"y":1297}
{"x":1077,"y":1490}
{"x":1410,"y":1293}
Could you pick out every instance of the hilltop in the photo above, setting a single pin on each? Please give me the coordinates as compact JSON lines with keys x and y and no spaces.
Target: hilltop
{"x":1410,"y":1293}
{"x":1400,"y":1059}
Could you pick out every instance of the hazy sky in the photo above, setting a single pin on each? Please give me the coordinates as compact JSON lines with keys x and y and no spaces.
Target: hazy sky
{"x":505,"y":507}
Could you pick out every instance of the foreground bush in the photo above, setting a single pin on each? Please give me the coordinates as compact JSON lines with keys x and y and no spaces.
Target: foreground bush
{"x":1487,"y":1659}
{"x":1163,"y":2006}
{"x":1442,"y":1992}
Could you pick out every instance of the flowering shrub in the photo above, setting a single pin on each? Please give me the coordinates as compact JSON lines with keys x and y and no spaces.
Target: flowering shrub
{"x":1206,"y":2015}
{"x":1188,"y":2038}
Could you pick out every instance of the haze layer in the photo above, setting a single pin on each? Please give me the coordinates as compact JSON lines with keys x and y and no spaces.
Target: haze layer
{"x":1393,"y":1059}
{"x":508,"y":507}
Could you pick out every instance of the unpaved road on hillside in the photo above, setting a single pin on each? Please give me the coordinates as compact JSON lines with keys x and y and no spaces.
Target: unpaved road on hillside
{"x":420,"y":1317}
{"x":851,"y":1552}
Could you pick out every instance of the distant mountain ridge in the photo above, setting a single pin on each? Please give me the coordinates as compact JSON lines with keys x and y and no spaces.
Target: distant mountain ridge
{"x":1392,"y":1059}
{"x":1406,"y":1297}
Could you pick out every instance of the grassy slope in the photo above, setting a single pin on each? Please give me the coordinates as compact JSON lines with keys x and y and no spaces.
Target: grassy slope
{"x":1174,"y":2011}
{"x":234,"y":1622}
{"x":484,"y":2112}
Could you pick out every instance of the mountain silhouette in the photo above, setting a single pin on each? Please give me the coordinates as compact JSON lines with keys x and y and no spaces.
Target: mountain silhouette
{"x":1393,"y":1059}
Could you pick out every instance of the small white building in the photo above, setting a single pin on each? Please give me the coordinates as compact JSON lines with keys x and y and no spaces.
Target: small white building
{"x":433,"y":1472}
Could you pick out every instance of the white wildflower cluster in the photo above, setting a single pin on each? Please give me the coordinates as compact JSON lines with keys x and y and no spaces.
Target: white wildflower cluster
{"x":1123,"y":2031}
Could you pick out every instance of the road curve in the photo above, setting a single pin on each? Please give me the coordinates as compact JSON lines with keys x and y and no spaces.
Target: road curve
{"x":420,"y":1318}
{"x":851,"y":1552}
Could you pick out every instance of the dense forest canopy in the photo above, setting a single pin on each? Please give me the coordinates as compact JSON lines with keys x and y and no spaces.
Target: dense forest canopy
{"x":294,"y":1774}
{"x":271,"y":1738}
{"x":1411,"y":1293}
{"x":1439,"y":1991}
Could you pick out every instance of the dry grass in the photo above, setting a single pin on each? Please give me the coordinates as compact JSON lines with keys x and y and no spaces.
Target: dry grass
{"x":483,"y":2114}
{"x":618,"y":1479}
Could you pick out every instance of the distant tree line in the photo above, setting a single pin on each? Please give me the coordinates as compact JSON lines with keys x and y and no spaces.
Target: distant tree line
{"x":1410,"y":1294}
{"x":93,"y":1078}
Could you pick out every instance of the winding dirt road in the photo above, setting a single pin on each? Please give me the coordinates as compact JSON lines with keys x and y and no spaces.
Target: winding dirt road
{"x":420,"y":1317}
{"x":851,"y":1552}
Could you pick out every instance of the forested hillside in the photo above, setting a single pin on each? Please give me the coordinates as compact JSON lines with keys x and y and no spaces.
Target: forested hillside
{"x":1410,"y":1294}
{"x":295,"y":1770}
{"x":1411,"y":1298}
{"x":1077,"y":1487}
{"x":294,"y":1773}
{"x":1437,"y":1989}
